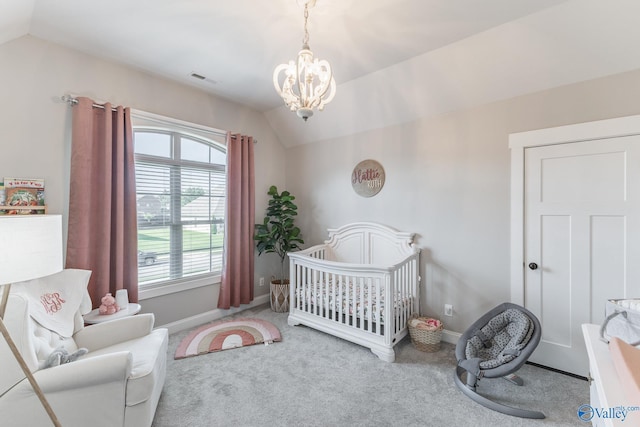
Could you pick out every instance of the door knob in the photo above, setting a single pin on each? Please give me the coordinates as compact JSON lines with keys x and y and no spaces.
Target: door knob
{"x":533,"y":266}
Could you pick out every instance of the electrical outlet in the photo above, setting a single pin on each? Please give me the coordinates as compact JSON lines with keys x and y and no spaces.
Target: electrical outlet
{"x":262,"y":281}
{"x":448,"y":310}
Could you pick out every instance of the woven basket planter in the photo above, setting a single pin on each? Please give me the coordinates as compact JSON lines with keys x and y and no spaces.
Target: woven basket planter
{"x":280,"y":296}
{"x":425,"y":339}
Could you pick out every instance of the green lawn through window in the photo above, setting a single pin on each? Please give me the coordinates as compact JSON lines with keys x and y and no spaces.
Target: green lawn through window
{"x":157,"y":240}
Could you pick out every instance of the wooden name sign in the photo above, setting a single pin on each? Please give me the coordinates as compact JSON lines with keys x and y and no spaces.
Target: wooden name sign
{"x":367,"y":178}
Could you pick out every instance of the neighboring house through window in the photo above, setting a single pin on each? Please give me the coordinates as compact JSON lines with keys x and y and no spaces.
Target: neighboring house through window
{"x":180,"y":193}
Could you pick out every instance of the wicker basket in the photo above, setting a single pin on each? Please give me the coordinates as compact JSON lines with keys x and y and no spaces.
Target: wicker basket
{"x":425,"y":339}
{"x":279,"y":296}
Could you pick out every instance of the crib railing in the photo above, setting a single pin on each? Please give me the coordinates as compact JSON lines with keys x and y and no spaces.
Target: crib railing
{"x":353,"y":300}
{"x":353,"y":294}
{"x":406,"y":279}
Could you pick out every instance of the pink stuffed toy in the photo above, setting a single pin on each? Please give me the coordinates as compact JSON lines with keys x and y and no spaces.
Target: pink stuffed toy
{"x":109,"y":305}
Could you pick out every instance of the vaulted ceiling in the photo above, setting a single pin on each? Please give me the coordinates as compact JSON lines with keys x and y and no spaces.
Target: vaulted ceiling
{"x":393,"y":60}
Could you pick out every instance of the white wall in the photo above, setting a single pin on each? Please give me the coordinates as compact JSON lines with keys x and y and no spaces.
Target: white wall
{"x":35,"y":131}
{"x":447,"y":179}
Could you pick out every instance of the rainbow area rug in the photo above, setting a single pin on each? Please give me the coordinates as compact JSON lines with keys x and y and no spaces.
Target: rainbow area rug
{"x":225,"y":335}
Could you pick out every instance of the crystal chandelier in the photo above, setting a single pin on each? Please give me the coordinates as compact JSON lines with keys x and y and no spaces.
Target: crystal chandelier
{"x":308,"y":83}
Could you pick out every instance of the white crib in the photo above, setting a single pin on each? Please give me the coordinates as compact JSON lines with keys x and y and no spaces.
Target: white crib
{"x":361,"y":285}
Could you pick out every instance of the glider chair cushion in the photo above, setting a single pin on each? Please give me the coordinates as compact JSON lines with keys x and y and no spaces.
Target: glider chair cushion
{"x":118,"y":382}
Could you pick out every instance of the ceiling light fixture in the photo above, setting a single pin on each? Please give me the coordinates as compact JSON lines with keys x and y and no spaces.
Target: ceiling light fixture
{"x":308,"y":83}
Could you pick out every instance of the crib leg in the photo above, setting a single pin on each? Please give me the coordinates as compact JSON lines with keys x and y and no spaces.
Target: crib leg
{"x":385,"y":354}
{"x":292,"y":322}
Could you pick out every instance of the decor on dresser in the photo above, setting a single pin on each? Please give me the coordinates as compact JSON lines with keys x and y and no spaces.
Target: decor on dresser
{"x":31,"y":248}
{"x":622,"y":320}
{"x":308,"y":83}
{"x":367,"y":178}
{"x":278,"y":234}
{"x":227,"y":334}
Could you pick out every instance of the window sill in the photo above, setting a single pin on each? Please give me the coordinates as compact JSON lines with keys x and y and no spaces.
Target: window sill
{"x":167,"y":288}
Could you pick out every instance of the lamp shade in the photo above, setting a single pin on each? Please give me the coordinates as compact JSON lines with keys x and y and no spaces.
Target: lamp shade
{"x":30,"y":247}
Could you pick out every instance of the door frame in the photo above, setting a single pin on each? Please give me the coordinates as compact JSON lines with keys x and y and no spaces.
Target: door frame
{"x":518,"y":142}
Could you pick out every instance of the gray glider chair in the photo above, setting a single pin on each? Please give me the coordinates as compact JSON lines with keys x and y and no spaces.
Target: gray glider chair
{"x":496,"y":346}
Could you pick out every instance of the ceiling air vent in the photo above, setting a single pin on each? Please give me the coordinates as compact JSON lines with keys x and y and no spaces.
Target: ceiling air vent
{"x":202,"y":78}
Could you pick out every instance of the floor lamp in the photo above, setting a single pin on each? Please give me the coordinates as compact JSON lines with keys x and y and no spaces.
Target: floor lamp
{"x":31,"y":248}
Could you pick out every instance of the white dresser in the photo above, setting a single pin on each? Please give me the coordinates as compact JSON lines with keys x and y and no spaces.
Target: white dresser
{"x":606,"y":390}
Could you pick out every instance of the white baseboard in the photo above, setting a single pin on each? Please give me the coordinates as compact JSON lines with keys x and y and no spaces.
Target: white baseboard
{"x":209,"y":316}
{"x":450,"y":336}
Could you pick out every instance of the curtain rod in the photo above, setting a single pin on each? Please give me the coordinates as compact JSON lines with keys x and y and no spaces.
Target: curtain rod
{"x":71,"y":100}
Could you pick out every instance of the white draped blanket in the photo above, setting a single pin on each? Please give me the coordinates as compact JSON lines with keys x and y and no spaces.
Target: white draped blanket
{"x":54,"y":300}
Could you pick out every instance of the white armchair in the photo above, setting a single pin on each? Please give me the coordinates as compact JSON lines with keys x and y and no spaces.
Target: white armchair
{"x":117,"y":383}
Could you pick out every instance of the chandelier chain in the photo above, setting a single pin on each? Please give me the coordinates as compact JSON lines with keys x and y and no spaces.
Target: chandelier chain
{"x":305,"y":40}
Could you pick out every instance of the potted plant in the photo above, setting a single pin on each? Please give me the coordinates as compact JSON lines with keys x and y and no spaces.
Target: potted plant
{"x":278,"y":234}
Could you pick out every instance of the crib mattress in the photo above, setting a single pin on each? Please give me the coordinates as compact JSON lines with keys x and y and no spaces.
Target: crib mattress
{"x":329,"y":297}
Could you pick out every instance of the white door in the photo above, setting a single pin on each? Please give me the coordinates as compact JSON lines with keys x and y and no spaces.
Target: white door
{"x":581,"y":239}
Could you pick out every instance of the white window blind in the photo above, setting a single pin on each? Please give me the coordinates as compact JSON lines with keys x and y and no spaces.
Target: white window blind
{"x":180,"y":193}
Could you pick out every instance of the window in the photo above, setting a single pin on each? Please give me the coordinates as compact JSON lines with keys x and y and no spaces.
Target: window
{"x":180,"y":193}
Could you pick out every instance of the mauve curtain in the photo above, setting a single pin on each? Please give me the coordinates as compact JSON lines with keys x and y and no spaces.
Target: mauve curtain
{"x":103,"y":229}
{"x":237,"y":270}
